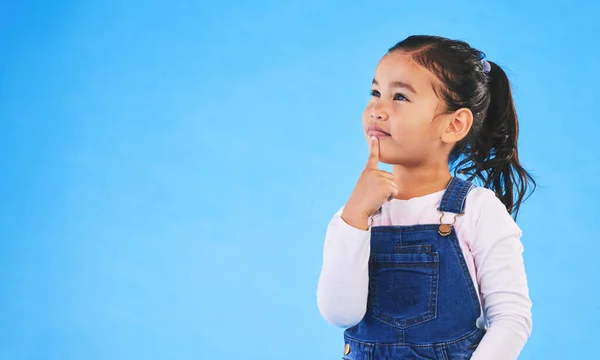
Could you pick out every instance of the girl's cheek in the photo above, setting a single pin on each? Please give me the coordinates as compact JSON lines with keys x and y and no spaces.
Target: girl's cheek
{"x":365,"y":115}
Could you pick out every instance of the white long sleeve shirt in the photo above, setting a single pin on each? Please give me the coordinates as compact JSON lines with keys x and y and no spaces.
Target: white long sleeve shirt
{"x":490,"y":242}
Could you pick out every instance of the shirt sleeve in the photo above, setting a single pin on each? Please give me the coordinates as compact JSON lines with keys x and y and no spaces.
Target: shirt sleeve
{"x":497,"y":252}
{"x":344,"y":280}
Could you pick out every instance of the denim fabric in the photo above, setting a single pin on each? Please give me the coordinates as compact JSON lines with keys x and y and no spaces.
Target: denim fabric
{"x":422,"y":302}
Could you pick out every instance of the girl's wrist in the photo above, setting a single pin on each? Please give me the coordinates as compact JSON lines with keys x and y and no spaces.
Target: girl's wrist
{"x":356,"y":219}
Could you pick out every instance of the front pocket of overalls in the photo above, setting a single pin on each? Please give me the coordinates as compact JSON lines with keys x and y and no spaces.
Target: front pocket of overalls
{"x":404,"y":287}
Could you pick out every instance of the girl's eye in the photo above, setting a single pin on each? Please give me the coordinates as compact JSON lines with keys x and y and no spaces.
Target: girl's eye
{"x":396,"y":96}
{"x":400,"y":97}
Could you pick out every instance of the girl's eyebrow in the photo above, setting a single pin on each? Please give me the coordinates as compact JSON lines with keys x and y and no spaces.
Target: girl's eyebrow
{"x":401,"y":84}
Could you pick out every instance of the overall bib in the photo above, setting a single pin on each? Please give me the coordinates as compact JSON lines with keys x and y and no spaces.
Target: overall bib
{"x":422,"y":302}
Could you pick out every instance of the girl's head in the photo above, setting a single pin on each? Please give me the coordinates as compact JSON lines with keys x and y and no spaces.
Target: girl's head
{"x":442,"y":105}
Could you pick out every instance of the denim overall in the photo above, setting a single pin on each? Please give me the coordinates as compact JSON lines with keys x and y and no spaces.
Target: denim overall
{"x":422,"y":303}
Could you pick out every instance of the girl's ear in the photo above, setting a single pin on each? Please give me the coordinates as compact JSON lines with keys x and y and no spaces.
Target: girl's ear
{"x":458,"y":127}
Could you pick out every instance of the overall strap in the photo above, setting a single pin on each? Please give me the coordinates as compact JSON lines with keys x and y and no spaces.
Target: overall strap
{"x":454,"y":197}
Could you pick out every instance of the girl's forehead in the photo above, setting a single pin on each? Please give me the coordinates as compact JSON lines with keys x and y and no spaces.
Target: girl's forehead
{"x":399,"y":66}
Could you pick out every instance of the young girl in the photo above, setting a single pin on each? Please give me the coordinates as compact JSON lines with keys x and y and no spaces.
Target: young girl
{"x":421,"y":264}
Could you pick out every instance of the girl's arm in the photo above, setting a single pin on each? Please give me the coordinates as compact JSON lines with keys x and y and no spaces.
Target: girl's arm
{"x":497,"y":252}
{"x":344,"y":281}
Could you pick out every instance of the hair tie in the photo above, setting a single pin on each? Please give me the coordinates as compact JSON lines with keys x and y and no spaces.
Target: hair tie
{"x":486,"y":66}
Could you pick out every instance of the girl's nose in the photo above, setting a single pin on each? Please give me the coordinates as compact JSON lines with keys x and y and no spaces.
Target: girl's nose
{"x":378,"y":113}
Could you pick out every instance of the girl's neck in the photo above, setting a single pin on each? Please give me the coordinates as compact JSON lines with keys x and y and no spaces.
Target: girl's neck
{"x":414,"y":182}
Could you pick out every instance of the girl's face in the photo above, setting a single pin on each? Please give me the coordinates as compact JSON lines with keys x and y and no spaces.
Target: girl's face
{"x":404,"y":104}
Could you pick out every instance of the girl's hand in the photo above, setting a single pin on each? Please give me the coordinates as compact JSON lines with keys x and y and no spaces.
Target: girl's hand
{"x":373,"y":189}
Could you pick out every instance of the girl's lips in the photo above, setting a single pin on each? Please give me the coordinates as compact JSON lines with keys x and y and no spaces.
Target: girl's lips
{"x":377,"y":133}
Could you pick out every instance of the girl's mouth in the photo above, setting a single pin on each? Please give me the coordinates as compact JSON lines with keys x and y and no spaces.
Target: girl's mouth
{"x":376,"y":131}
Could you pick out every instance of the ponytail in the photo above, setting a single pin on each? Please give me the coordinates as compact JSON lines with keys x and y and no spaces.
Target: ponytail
{"x":493,"y":152}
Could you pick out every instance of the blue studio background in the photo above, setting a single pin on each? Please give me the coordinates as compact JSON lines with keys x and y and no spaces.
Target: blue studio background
{"x":168,"y":169}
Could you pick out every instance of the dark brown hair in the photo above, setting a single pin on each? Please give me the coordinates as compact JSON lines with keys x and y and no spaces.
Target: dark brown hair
{"x":489,"y":151}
